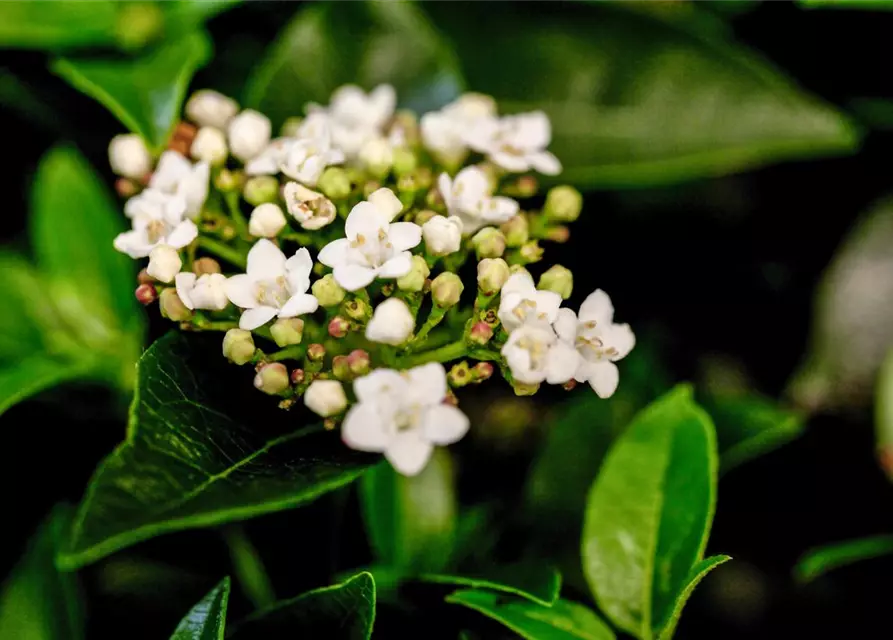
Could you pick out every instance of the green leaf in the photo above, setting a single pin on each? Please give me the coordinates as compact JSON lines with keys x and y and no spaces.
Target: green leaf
{"x":636,"y":98}
{"x":22,"y":292}
{"x":343,"y":611}
{"x":57,"y":24}
{"x":411,"y":521}
{"x":698,"y":572}
{"x":649,"y":513}
{"x":564,"y":620}
{"x":535,"y":582}
{"x":25,"y":378}
{"x":144,"y":93}
{"x":207,"y":619}
{"x":38,"y":602}
{"x":188,"y":14}
{"x":202,"y":448}
{"x":820,"y":561}
{"x":847,"y":4}
{"x":366,"y":43}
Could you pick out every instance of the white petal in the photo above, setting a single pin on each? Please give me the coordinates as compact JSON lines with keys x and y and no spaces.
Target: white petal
{"x":242,"y":291}
{"x":444,"y":424}
{"x":566,"y":325}
{"x":603,"y":378}
{"x":561,"y":363}
{"x":509,"y":161}
{"x":334,"y":253}
{"x":597,"y":307}
{"x":428,"y":383}
{"x":622,"y":338}
{"x":507,"y":304}
{"x":363,"y":429}
{"x":133,"y":244}
{"x":386,"y":202}
{"x":499,"y":209}
{"x":535,"y":130}
{"x":185,"y":283}
{"x":521,"y":283}
{"x":298,"y":269}
{"x":366,"y":220}
{"x":371,"y":387}
{"x":298,"y":305}
{"x":183,"y":234}
{"x":265,"y":261}
{"x":445,"y":186}
{"x":397,"y":266}
{"x":545,"y":162}
{"x":547,"y":302}
{"x":408,"y":452}
{"x":254,"y":318}
{"x":404,"y":235}
{"x":353,"y":276}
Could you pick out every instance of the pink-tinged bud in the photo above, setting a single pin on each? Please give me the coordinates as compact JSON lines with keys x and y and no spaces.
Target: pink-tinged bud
{"x":125,"y":187}
{"x":341,"y":368}
{"x":569,"y":385}
{"x":316,"y":352}
{"x":205,"y":265}
{"x":297,"y":376}
{"x":338,"y":327}
{"x":459,"y":375}
{"x":272,"y":378}
{"x":480,"y":333}
{"x":558,"y":234}
{"x":143,"y":277}
{"x":146,"y":294}
{"x":359,"y":362}
{"x":526,"y":186}
{"x":482,"y":371}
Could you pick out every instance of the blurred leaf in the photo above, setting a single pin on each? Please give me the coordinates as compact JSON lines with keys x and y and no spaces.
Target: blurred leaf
{"x":38,"y":602}
{"x":145,"y":93}
{"x":564,"y":620}
{"x":411,"y":521}
{"x":883,"y":415}
{"x":820,"y":561}
{"x":22,"y":379}
{"x":846,"y":4}
{"x":649,"y":514}
{"x":57,"y":24}
{"x":876,"y":113}
{"x":639,"y":99}
{"x":17,"y":96}
{"x":535,"y":582}
{"x":327,"y":45}
{"x":188,"y":14}
{"x":25,"y":306}
{"x":207,"y":619}
{"x":698,"y":572}
{"x":199,"y":453}
{"x":343,"y":611}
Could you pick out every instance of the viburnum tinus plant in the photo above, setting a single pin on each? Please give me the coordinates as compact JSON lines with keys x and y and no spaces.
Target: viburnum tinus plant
{"x":368,"y":262}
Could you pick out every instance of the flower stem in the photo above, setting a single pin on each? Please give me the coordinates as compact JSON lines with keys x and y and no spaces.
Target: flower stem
{"x":232,"y":203}
{"x":248,"y":567}
{"x":447,"y":352}
{"x":434,"y":318}
{"x":221,"y":250}
{"x":214,"y":325}
{"x":294,"y":352}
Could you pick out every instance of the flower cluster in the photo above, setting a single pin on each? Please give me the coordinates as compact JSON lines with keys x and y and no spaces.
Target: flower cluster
{"x":343,"y":239}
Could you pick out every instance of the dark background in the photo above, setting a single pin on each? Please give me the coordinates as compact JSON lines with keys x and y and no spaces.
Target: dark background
{"x":723,"y":266}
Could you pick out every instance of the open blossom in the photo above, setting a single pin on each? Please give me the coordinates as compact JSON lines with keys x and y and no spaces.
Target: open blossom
{"x":467,"y":196}
{"x":391,"y":323}
{"x":208,"y":108}
{"x":402,"y":414}
{"x":269,"y":160}
{"x":129,"y":157}
{"x":516,"y":143}
{"x":306,"y":159}
{"x":598,"y":341}
{"x":374,"y":246}
{"x":310,"y":208}
{"x":521,"y":303}
{"x":177,"y":175}
{"x":446,"y":132}
{"x":442,"y":235}
{"x":272,"y":285}
{"x":207,"y":291}
{"x":534,"y":354}
{"x":157,"y":220}
{"x":353,"y":116}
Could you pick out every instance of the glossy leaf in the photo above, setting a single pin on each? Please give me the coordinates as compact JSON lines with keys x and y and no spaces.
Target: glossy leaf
{"x":145,"y":93}
{"x":820,"y":561}
{"x":637,"y":98}
{"x":57,"y":24}
{"x":565,"y":620}
{"x":22,"y":379}
{"x":698,"y":572}
{"x":207,"y":619}
{"x":535,"y":582}
{"x":38,"y":602}
{"x":188,"y":14}
{"x":202,"y":448}
{"x":649,"y":513}
{"x":367,"y":43}
{"x":343,"y":611}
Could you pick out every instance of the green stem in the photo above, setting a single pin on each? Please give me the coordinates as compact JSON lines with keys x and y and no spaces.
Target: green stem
{"x":215,"y":325}
{"x":248,"y":567}
{"x":303,"y":239}
{"x":224,"y":251}
{"x":434,"y":318}
{"x":294,"y":352}
{"x":232,"y":203}
{"x":445,"y":353}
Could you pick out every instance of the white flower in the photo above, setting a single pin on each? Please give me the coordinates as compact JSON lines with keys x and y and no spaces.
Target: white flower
{"x":272,"y":286}
{"x":207,"y":291}
{"x":153,"y":203}
{"x":266,"y":221}
{"x":325,"y":398}
{"x":305,"y":160}
{"x":468,"y":197}
{"x":268,"y":161}
{"x":377,"y":155}
{"x":599,"y":342}
{"x":249,"y":134}
{"x":374,"y":246}
{"x":446,"y":132}
{"x":391,"y":323}
{"x":353,"y":117}
{"x":310,"y":208}
{"x":164,"y":263}
{"x":208,"y":108}
{"x":176,"y":174}
{"x":521,"y":303}
{"x":157,"y":220}
{"x":534,"y":354}
{"x":403,"y":415}
{"x":516,"y":143}
{"x":442,"y":235}
{"x":209,"y":145}
{"x":129,"y":157}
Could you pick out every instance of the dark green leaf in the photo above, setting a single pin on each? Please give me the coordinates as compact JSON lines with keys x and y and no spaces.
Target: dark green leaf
{"x":18,"y":96}
{"x":188,"y":14}
{"x":564,"y":620}
{"x":649,"y":513}
{"x":883,"y":415}
{"x":26,"y":304}
{"x":876,"y":113}
{"x":697,"y":574}
{"x":57,"y":24}
{"x":207,"y":619}
{"x":366,"y":43}
{"x":202,"y":448}
{"x":343,"y":611}
{"x":535,"y":582}
{"x":847,"y":4}
{"x":636,"y":98}
{"x":820,"y":561}
{"x":411,"y":521}
{"x":22,"y":379}
{"x":38,"y":602}
{"x":145,"y":93}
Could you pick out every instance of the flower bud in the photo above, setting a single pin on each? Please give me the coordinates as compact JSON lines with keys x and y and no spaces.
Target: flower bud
{"x":392,"y":323}
{"x":172,"y":306}
{"x":481,"y":371}
{"x":325,"y":398}
{"x":129,"y":157}
{"x":359,"y":362}
{"x":181,"y":140}
{"x":249,"y":133}
{"x":405,"y":128}
{"x":340,"y":368}
{"x":310,"y":208}
{"x":297,"y":376}
{"x":227,"y":180}
{"x":338,"y":327}
{"x":287,"y":331}
{"x":316,"y":352}
{"x":488,"y":243}
{"x":272,"y":378}
{"x":208,"y":108}
{"x":164,"y":263}
{"x":423,"y":216}
{"x":559,"y":233}
{"x":525,"y":389}
{"x":480,"y":333}
{"x":327,"y":291}
{"x":405,"y":161}
{"x":563,"y":204}
{"x":209,"y":145}
{"x":143,"y":277}
{"x":459,"y":375}
{"x":442,"y":235}
{"x":291,"y":128}
{"x":334,"y":183}
{"x":516,"y":231}
{"x":146,"y":294}
{"x":414,"y":279}
{"x":570,"y":385}
{"x":266,"y":221}
{"x":238,"y":346}
{"x":492,"y":274}
{"x":558,"y":279}
{"x":377,"y":157}
{"x":526,"y":186}
{"x":370,"y":187}
{"x":531,"y":252}
{"x":446,"y":289}
{"x":261,"y":189}
{"x":205,"y":265}
{"x":358,"y":310}
{"x":125,"y":187}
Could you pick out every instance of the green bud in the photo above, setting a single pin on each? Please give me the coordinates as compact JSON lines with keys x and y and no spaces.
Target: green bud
{"x":524,"y":389}
{"x":261,"y":189}
{"x":414,"y":279}
{"x":404,"y":161}
{"x":138,"y":24}
{"x":492,"y":274}
{"x":459,"y":375}
{"x":563,"y":204}
{"x":516,"y":231}
{"x":334,"y":183}
{"x":287,"y":331}
{"x":227,"y":180}
{"x":172,"y":307}
{"x":327,"y":291}
{"x":423,"y":216}
{"x":446,"y":289}
{"x":423,"y":177}
{"x":238,"y":346}
{"x":558,"y":279}
{"x":291,"y":126}
{"x":489,"y":242}
{"x":358,"y":310}
{"x":316,"y":352}
{"x":272,"y":378}
{"x":340,"y":368}
{"x":531,"y":252}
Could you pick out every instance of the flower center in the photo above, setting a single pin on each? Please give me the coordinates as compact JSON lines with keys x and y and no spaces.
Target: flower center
{"x":407,"y":418}
{"x":156,"y":230}
{"x":591,"y":344}
{"x":536,"y":350}
{"x":273,"y":293}
{"x":375,"y":250}
{"x":526,"y":309}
